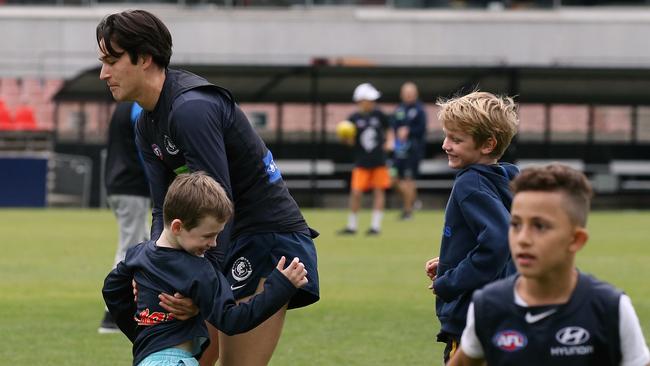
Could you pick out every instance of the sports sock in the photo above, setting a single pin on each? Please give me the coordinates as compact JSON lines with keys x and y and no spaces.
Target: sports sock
{"x":375,"y":222}
{"x":352,"y":221}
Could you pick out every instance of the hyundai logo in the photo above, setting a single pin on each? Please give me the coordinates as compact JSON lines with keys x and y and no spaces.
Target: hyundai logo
{"x":572,"y":336}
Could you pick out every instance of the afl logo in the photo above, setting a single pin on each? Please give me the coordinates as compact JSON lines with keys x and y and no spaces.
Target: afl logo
{"x":157,"y":151}
{"x":510,"y":340}
{"x":170,"y":146}
{"x":572,"y":336}
{"x":241,"y":269}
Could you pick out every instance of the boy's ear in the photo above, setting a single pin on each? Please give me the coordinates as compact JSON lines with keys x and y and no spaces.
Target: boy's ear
{"x":176,"y":226}
{"x":488,"y":146}
{"x":579,"y":239}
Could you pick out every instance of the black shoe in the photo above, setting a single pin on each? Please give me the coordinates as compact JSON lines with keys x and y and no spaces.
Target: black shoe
{"x":405,"y":216}
{"x":346,"y":231}
{"x":372,"y":232}
{"x":108,"y":325}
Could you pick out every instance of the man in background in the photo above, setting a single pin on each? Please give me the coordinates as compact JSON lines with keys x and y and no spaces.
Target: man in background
{"x":409,"y":123}
{"x":126,"y":187}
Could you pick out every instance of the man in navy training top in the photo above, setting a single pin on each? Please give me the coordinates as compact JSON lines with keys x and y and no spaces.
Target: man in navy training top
{"x":551,"y":314}
{"x":189,"y":124}
{"x":196,"y":210}
{"x":409,"y":123}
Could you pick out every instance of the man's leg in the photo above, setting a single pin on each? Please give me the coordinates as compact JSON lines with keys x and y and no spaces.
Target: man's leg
{"x":211,"y":354}
{"x":255,"y":347}
{"x":131,"y":214}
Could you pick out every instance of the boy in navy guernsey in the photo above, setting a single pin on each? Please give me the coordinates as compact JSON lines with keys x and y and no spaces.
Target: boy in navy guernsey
{"x":478,"y":128}
{"x":195,"y":211}
{"x":374,"y":138}
{"x":551,"y":314}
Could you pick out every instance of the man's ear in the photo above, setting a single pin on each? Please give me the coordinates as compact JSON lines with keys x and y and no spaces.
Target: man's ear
{"x":579,"y":239}
{"x":176,"y":226}
{"x":488,"y":146}
{"x":145,"y":60}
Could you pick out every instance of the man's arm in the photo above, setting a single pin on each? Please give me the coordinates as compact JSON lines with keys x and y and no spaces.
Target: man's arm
{"x":198,"y":129}
{"x":158,"y":178}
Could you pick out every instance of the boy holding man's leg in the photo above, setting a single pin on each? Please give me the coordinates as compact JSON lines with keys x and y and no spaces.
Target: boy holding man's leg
{"x":478,"y":128}
{"x":551,"y":314}
{"x":195,"y":211}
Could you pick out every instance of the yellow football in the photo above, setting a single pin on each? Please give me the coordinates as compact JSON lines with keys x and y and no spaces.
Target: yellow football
{"x":346,"y":130}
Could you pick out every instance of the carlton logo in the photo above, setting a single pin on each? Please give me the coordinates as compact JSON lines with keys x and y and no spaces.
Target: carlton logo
{"x":241,"y":269}
{"x":510,"y":340}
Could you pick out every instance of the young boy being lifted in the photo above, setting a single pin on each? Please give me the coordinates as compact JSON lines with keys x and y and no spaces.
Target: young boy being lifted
{"x":195,"y":211}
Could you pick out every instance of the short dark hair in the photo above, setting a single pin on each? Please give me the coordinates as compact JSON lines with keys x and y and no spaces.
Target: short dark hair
{"x":558,"y":178}
{"x":191,"y":197}
{"x":137,"y":32}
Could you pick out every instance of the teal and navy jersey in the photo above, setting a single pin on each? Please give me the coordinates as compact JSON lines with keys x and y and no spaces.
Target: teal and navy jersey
{"x":197,"y":126}
{"x":370,"y":138}
{"x":157,"y":270}
{"x":583,"y":331}
{"x":414,"y":117}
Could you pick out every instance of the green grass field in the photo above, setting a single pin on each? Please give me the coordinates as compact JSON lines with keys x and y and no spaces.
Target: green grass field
{"x":375,"y":307}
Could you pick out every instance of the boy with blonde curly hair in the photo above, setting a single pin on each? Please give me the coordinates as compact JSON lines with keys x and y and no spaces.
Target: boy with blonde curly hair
{"x":478,"y":128}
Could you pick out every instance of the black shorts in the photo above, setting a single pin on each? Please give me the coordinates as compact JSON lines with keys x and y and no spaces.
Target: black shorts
{"x":451,"y":345}
{"x":407,"y":167}
{"x":254,"y":256}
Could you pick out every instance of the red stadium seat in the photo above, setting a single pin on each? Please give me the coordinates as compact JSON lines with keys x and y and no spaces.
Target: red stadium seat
{"x":6,"y":122}
{"x":24,"y":118}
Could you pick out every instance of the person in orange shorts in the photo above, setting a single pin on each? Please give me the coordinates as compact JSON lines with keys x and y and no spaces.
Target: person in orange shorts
{"x":372,"y":140}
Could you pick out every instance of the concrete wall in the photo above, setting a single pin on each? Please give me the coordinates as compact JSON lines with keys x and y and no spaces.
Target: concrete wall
{"x":60,"y":41}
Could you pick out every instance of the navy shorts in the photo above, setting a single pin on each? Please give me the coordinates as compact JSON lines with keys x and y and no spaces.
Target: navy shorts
{"x":254,"y":256}
{"x":408,"y":167}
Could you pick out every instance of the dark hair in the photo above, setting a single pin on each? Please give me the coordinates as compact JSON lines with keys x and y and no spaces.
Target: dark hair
{"x":558,"y":178}
{"x":137,"y":32}
{"x":191,"y":197}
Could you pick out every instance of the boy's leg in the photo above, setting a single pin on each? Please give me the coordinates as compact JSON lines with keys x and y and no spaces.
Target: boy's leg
{"x":211,"y":354}
{"x":255,"y":347}
{"x":451,"y":346}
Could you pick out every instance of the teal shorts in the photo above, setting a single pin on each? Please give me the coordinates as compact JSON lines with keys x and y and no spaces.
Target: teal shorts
{"x":170,"y":357}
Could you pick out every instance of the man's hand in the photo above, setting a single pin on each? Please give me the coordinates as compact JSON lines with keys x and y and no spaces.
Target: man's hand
{"x":295,"y":271}
{"x":402,"y":133}
{"x":135,"y":290}
{"x":181,"y":307}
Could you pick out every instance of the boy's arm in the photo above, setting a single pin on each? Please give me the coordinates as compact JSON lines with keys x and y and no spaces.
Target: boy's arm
{"x":633,"y":347}
{"x":489,"y":220}
{"x":232,"y":318}
{"x":118,"y":295}
{"x":461,"y":359}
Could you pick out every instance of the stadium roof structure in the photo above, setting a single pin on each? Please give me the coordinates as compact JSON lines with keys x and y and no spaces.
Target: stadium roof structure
{"x":334,"y":84}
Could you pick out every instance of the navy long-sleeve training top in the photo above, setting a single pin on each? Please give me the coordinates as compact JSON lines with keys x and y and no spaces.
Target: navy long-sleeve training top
{"x":157,"y":270}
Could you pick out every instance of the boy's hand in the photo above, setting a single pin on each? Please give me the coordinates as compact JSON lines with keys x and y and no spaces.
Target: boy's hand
{"x":295,"y":271}
{"x":181,"y":307}
{"x":431,"y":267}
